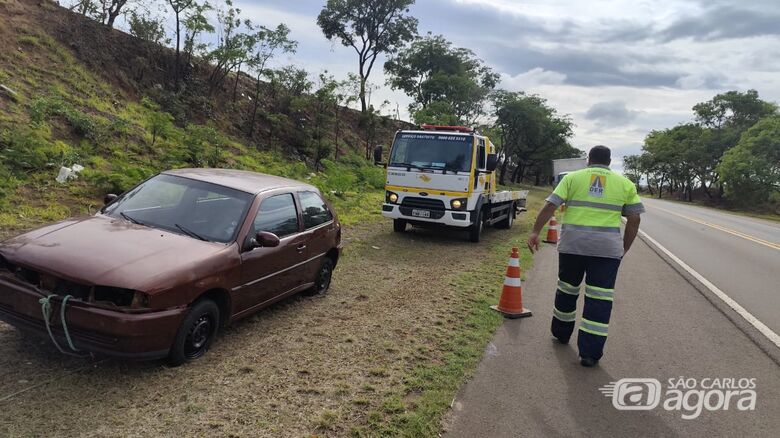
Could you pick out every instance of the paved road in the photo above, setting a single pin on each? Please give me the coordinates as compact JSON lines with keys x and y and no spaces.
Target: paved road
{"x":662,"y":328}
{"x":740,"y":255}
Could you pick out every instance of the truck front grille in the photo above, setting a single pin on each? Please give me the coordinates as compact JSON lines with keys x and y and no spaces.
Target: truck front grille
{"x":428,"y":204}
{"x":435,"y":206}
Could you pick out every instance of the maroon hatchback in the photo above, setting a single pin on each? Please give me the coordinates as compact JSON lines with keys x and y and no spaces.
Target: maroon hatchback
{"x":160,"y":268}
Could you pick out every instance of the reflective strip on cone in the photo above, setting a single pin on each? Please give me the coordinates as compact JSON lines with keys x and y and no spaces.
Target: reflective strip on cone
{"x":515,"y":262}
{"x":514,"y":282}
{"x":564,"y":316}
{"x":593,"y":327}
{"x":567,"y":288}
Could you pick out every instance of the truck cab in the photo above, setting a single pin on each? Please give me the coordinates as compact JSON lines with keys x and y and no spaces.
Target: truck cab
{"x":446,"y":175}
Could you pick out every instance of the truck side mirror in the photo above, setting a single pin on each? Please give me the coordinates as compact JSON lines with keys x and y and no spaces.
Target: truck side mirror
{"x":492,"y":162}
{"x":378,"y":155}
{"x":109,"y":198}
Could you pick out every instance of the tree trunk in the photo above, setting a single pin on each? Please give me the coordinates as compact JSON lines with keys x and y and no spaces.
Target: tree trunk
{"x":235,"y":84}
{"x":255,"y":104}
{"x":502,"y":172}
{"x":338,"y":126}
{"x":178,"y":54}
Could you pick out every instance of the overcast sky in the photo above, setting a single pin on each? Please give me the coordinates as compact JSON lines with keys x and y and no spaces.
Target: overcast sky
{"x":620,"y":68}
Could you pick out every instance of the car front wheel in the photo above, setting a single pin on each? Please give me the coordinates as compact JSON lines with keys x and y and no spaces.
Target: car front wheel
{"x":196,"y":333}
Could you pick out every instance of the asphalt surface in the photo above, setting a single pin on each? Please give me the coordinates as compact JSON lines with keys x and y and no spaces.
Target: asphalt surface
{"x":662,"y":327}
{"x":740,"y":255}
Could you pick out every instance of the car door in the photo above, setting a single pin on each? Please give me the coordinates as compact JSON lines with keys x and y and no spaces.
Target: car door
{"x":268,"y":273}
{"x":319,"y":229}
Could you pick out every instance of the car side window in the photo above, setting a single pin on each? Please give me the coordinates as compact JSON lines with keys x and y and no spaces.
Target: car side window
{"x":315,"y":211}
{"x":277,"y":215}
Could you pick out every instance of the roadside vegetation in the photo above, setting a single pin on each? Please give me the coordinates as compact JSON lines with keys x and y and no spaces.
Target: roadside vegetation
{"x":728,"y":157}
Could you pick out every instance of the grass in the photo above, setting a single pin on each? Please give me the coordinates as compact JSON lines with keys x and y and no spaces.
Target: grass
{"x":430,"y":387}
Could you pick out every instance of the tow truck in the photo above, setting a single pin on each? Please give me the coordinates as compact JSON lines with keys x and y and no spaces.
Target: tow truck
{"x":446,"y":175}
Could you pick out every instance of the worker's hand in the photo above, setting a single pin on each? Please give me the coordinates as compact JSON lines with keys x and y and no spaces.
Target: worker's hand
{"x":533,"y":242}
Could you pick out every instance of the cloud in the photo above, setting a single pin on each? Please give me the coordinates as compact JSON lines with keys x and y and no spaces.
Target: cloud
{"x":611,"y":113}
{"x":532,"y":78}
{"x":725,"y":22}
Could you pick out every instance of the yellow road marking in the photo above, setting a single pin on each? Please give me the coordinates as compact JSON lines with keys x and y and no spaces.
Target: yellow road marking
{"x":725,"y":230}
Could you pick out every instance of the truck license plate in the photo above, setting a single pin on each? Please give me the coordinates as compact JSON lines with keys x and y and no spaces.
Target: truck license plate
{"x":421,"y":213}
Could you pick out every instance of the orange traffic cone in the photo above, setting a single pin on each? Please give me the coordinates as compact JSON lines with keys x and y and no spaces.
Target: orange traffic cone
{"x":511,"y":302}
{"x":552,"y":231}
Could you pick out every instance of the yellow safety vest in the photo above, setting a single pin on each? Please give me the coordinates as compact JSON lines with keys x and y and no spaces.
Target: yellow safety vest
{"x":595,"y":198}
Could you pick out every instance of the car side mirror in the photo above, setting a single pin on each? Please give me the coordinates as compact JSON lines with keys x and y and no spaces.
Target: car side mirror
{"x":265,"y":239}
{"x":109,"y":198}
{"x":492,"y":162}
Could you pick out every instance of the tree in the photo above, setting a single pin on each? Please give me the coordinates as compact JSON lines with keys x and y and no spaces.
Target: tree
{"x":432,"y":71}
{"x":195,"y":23}
{"x":146,"y":27}
{"x":324,"y":99}
{"x":530,"y":134}
{"x":111,"y":10}
{"x":178,"y":7}
{"x":751,"y":170}
{"x":267,"y":43}
{"x":233,"y":46}
{"x":159,"y":124}
{"x":370,"y":28}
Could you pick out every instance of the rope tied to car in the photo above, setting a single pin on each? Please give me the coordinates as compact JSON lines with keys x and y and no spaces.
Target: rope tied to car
{"x":46,"y":309}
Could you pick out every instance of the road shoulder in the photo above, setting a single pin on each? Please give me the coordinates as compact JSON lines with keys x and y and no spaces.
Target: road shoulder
{"x":662,"y":328}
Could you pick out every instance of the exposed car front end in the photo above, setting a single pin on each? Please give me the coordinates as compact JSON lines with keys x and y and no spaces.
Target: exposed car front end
{"x":108,"y":320}
{"x":126,"y":285}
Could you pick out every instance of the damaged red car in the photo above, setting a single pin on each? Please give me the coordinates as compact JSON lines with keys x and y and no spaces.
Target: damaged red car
{"x":161,"y":267}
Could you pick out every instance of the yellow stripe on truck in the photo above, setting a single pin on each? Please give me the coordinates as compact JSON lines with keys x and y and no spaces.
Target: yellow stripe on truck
{"x":428,"y":191}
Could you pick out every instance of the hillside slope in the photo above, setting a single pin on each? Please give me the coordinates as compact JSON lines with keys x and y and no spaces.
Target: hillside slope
{"x":71,"y":92}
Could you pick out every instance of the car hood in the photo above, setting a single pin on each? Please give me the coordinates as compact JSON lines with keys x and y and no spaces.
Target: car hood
{"x":101,"y":250}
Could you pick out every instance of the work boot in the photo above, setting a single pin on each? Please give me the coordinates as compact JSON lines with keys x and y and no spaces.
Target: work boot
{"x":561,"y":340}
{"x":588,"y":362}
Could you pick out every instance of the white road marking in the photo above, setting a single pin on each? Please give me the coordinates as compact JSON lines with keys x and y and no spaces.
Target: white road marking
{"x":755,"y":322}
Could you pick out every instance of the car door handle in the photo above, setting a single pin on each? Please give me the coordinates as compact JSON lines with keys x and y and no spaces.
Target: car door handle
{"x":301,"y":247}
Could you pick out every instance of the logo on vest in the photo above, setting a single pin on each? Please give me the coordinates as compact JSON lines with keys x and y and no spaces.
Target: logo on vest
{"x":597,"y":183}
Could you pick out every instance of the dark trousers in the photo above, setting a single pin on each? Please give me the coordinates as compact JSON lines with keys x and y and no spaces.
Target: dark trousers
{"x":600,"y":274}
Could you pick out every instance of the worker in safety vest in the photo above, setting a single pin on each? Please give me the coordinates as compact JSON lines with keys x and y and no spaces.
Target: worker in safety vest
{"x":590,"y":245}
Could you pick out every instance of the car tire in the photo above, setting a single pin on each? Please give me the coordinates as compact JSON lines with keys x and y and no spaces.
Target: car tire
{"x":399,"y":225}
{"x":507,"y":223}
{"x":475,"y":230}
{"x":323,"y":278}
{"x":196,"y":333}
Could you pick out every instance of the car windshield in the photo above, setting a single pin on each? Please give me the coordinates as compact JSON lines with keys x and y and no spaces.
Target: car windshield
{"x":432,"y":151}
{"x":193,"y":208}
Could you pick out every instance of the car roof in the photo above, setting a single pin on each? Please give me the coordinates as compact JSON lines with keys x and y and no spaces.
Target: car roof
{"x":245,"y":181}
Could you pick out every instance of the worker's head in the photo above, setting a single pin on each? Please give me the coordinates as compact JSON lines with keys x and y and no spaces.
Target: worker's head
{"x":599,"y":155}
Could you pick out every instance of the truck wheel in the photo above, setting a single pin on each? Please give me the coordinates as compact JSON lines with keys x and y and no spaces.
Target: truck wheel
{"x":475,"y":230}
{"x":196,"y":333}
{"x":507,"y":223}
{"x":399,"y":225}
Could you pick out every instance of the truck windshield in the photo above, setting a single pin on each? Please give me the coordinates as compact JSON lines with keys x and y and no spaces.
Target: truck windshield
{"x":433,"y":151}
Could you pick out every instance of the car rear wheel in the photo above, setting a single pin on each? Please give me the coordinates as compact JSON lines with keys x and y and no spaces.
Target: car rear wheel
{"x":323,"y":279}
{"x":196,"y":333}
{"x":399,"y":225}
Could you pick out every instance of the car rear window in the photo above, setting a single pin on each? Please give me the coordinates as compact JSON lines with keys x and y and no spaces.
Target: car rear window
{"x":277,"y":215}
{"x":315,"y":211}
